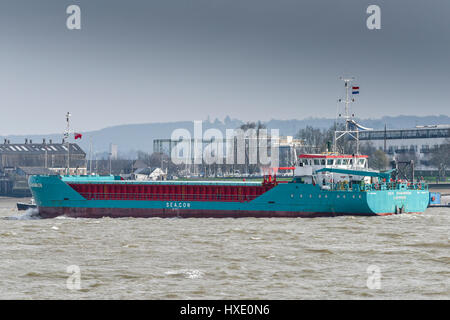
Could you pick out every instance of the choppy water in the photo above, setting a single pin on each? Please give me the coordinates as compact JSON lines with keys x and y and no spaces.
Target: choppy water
{"x":323,"y":258}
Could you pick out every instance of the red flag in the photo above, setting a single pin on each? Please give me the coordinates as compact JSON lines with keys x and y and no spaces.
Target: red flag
{"x":355,"y":88}
{"x":77,"y":135}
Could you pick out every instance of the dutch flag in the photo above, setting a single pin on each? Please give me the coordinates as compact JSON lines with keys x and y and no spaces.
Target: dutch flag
{"x":355,"y":90}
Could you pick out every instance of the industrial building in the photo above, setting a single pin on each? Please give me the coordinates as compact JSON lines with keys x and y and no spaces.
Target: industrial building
{"x":415,"y":144}
{"x":19,"y":160}
{"x":43,"y":154}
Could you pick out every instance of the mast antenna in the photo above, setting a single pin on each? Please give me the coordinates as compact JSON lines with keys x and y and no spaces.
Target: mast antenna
{"x":67,"y":142}
{"x":338,"y":134}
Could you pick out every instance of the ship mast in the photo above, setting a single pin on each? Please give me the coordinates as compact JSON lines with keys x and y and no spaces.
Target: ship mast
{"x":67,"y":142}
{"x":338,"y":134}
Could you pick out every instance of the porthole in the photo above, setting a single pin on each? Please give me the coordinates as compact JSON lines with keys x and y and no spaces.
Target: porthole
{"x":301,"y":195}
{"x":292,"y":196}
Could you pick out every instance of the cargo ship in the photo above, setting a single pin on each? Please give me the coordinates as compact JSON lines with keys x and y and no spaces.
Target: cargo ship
{"x":328,"y":184}
{"x":327,"y":192}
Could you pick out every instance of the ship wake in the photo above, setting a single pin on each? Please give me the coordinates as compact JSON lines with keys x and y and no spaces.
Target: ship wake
{"x":29,"y":214}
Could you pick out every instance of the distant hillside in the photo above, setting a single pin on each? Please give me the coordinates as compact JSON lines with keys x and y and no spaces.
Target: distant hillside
{"x":133,"y":137}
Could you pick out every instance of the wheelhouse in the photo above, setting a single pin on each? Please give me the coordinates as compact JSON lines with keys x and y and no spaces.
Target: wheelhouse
{"x":319,"y":161}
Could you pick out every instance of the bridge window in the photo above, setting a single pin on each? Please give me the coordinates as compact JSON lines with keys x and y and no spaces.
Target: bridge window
{"x":330,"y":162}
{"x":345,"y":162}
{"x":322,"y":162}
{"x":316,"y":162}
{"x":338,"y":162}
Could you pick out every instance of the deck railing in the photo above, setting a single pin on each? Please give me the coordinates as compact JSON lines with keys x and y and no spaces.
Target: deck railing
{"x":378,"y":186}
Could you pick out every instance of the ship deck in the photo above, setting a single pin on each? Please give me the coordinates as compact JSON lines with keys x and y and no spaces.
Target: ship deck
{"x":111,"y":180}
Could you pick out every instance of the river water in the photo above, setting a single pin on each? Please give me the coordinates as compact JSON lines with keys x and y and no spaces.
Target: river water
{"x":393,"y":257}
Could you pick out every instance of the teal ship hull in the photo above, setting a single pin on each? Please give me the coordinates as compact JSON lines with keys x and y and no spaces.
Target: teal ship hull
{"x":96,"y":197}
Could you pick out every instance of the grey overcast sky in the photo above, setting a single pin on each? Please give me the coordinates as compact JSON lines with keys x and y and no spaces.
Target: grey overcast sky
{"x":140,"y":61}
